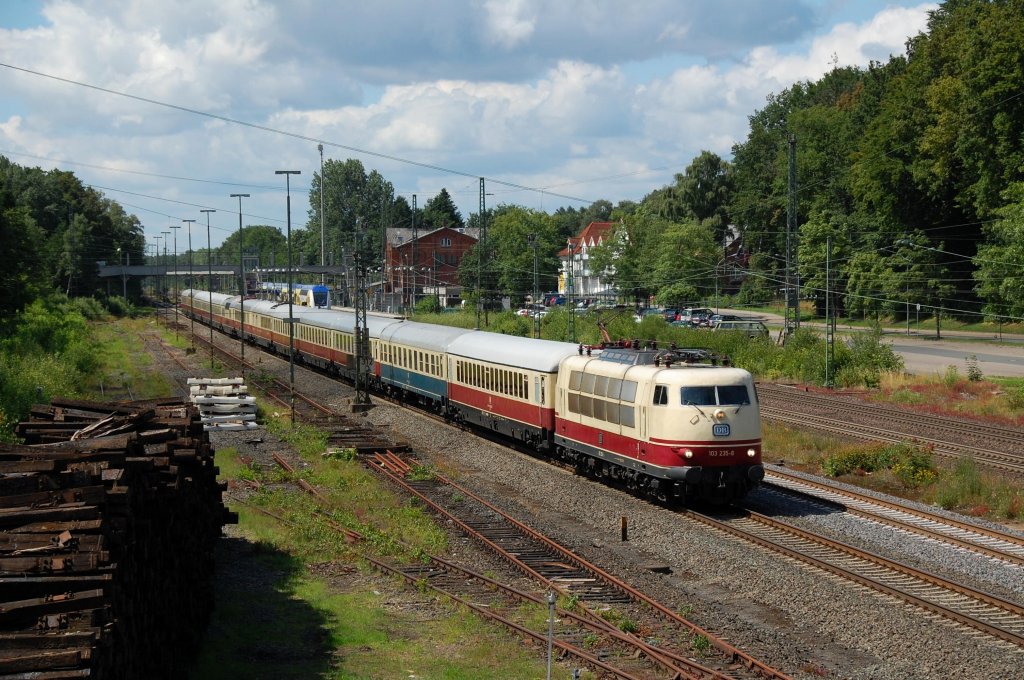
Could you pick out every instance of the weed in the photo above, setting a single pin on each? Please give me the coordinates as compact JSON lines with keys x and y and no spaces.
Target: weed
{"x":421,"y":473}
{"x":422,"y":586}
{"x":700,"y":643}
{"x":685,"y":610}
{"x":590,"y":640}
{"x":974,"y":373}
{"x":627,"y":625}
{"x":348,"y":454}
{"x":571,"y":602}
{"x":951,"y":377}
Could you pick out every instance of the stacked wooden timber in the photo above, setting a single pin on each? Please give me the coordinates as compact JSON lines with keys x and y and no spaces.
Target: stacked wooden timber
{"x":224,"y":403}
{"x":109,"y":516}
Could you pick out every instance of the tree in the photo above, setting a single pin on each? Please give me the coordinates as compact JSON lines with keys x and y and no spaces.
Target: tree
{"x":1000,"y":264}
{"x":509,"y":259}
{"x":260,"y":240}
{"x":21,"y":279}
{"x":440,"y":211}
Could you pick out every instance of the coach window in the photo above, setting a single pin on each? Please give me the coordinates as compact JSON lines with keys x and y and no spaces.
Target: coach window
{"x":626,"y":415}
{"x":574,"y":380}
{"x":660,"y":395}
{"x":628,"y":391}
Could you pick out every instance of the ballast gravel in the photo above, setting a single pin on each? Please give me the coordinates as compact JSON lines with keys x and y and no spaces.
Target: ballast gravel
{"x":802,"y":621}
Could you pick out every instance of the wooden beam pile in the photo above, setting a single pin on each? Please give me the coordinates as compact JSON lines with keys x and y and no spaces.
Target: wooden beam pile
{"x":109,"y":516}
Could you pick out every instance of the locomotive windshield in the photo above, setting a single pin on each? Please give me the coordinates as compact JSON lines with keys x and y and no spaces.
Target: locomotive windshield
{"x":320,"y":298}
{"x":722,"y":395}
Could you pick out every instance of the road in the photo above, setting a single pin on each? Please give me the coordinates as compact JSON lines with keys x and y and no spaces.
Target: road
{"x":922,"y":353}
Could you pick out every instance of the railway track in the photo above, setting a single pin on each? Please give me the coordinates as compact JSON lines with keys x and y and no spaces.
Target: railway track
{"x":982,"y":612}
{"x":601,"y":597}
{"x":342,"y":432}
{"x":990,"y":542}
{"x":973,"y":611}
{"x":786,"y":405}
{"x":591,"y":627}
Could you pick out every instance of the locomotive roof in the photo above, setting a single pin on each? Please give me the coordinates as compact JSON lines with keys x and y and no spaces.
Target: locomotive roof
{"x":423,"y":335}
{"x":511,"y":350}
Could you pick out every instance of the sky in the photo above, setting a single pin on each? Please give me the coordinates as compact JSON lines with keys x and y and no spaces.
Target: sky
{"x":170,"y":107}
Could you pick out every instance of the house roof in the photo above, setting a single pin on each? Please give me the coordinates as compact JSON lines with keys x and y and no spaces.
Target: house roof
{"x":398,"y":236}
{"x":592,"y":235}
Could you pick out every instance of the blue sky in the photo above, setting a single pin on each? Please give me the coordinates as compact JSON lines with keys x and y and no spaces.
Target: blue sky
{"x":587,"y":99}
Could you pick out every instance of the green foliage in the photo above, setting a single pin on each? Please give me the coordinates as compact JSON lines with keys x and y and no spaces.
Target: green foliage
{"x":910,"y":463}
{"x":951,"y":377}
{"x":428,"y":305}
{"x":700,"y":643}
{"x":974,"y":373}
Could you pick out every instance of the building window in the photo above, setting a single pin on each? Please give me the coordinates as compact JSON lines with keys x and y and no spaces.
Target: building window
{"x":446,"y":242}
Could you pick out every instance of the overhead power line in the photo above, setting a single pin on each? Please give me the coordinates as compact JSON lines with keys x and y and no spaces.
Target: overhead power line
{"x":286,"y":133}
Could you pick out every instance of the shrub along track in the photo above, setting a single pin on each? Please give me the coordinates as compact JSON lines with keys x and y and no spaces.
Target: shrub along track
{"x":1002,"y":448}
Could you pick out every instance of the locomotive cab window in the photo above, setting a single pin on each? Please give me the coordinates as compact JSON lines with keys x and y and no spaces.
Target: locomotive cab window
{"x":722,"y":395}
{"x":661,"y":395}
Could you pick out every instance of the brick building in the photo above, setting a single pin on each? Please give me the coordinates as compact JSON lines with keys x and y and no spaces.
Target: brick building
{"x":428,"y":266}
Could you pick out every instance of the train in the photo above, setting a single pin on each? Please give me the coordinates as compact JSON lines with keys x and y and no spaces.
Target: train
{"x":675,"y":425}
{"x":304,"y":294}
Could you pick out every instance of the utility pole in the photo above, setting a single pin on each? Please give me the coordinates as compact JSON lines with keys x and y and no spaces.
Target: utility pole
{"x":291,"y":319}
{"x":209,"y":271}
{"x":481,"y":237}
{"x":363,"y":360}
{"x":175,"y":227}
{"x":792,"y":267}
{"x":241,"y":281}
{"x":323,"y":249}
{"x":191,"y":285}
{"x":532,"y":238}
{"x":830,"y":335}
{"x":414,"y":263}
{"x":568,"y":295}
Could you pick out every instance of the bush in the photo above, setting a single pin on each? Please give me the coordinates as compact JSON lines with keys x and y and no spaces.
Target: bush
{"x":974,"y":373}
{"x":909,"y":463}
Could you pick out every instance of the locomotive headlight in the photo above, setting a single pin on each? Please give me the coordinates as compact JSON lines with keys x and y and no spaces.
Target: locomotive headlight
{"x":751,"y":453}
{"x":719,"y":415}
{"x":688,"y":453}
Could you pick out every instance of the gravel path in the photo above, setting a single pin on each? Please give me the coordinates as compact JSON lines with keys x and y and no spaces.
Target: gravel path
{"x":807,"y":623}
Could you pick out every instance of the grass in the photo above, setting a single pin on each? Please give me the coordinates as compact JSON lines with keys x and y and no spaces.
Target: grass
{"x":953,"y":394}
{"x":347,"y":623}
{"x":125,"y":368}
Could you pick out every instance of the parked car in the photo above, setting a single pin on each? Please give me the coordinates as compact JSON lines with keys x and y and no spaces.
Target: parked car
{"x":644,"y":313}
{"x":754,"y":329}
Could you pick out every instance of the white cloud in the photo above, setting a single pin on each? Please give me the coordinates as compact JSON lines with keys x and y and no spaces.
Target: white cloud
{"x":510,"y":22}
{"x":544,"y":95}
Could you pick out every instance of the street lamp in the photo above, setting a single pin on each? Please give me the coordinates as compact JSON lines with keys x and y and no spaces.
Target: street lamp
{"x":191,"y":282}
{"x":175,"y":227}
{"x":291,"y":320}
{"x":209,"y":269}
{"x":241,"y":280}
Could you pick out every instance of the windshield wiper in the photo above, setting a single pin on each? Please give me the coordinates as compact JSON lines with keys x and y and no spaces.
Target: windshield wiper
{"x":693,"y":404}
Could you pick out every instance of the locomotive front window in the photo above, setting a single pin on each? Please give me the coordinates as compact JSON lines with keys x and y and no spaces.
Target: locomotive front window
{"x":722,"y":395}
{"x":698,"y":396}
{"x":733,"y":395}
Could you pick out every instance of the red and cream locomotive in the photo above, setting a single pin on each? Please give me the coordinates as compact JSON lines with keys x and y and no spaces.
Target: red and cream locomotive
{"x":676,"y":425}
